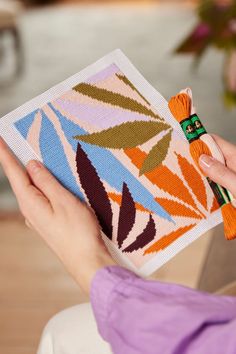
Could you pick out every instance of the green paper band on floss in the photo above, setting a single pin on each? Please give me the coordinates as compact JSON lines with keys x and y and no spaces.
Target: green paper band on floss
{"x":220,"y":193}
{"x":189,"y":129}
{"x":198,"y":125}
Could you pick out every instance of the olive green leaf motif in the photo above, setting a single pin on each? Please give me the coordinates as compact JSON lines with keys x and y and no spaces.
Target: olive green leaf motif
{"x":126,"y":135}
{"x":157,"y":154}
{"x":116,"y":99}
{"x":129,"y":83}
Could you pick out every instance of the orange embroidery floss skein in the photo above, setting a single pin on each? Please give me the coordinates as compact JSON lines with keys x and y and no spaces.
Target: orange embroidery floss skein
{"x":206,"y":138}
{"x":180,"y":106}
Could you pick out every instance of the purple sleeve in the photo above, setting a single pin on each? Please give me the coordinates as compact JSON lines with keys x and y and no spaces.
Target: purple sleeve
{"x":148,"y":317}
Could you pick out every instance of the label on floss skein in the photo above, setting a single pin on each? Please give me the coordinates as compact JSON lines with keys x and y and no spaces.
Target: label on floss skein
{"x":189,"y":129}
{"x":198,"y":125}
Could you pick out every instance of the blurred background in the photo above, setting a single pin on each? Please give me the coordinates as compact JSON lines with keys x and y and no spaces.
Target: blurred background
{"x":174,"y":44}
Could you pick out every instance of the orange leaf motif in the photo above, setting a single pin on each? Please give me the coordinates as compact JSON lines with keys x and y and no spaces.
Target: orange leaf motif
{"x":177,"y":209}
{"x":215,"y":205}
{"x":167,"y":240}
{"x":162,"y":176}
{"x":194,"y":180}
{"x":136,"y":155}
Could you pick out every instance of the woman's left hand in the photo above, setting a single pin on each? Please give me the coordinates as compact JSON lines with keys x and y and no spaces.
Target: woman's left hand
{"x":68,"y":226}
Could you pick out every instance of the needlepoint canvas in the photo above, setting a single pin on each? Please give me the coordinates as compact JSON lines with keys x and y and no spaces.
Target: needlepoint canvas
{"x":110,"y":139}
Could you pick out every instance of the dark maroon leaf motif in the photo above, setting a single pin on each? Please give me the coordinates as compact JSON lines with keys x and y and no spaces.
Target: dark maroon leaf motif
{"x":126,"y":216}
{"x":95,"y":191}
{"x":144,"y":238}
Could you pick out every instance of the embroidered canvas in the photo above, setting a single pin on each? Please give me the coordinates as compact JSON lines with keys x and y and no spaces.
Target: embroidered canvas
{"x":110,"y":139}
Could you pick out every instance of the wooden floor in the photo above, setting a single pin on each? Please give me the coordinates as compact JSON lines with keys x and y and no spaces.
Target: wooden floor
{"x":34,"y":285}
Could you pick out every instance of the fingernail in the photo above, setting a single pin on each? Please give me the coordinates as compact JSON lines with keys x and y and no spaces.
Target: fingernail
{"x":206,"y":161}
{"x":34,"y":166}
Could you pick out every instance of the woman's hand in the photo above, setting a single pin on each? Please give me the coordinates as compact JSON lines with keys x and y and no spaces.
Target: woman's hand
{"x":219,"y":173}
{"x":67,"y":225}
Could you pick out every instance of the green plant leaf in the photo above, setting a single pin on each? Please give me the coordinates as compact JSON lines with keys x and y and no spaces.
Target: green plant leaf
{"x":126,"y":135}
{"x":156,"y":155}
{"x":230,"y":99}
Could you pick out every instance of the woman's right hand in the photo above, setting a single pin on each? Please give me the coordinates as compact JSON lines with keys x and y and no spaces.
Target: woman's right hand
{"x":225,"y":175}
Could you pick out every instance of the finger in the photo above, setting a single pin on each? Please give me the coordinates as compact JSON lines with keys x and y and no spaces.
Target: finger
{"x":218,"y":173}
{"x":14,"y":171}
{"x":228,"y":149}
{"x":46,"y":182}
{"x":27,"y":195}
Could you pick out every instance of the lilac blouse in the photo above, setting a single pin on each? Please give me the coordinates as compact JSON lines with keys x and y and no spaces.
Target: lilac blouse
{"x":149,"y":317}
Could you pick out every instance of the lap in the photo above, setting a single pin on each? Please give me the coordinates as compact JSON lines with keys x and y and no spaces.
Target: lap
{"x":73,"y":331}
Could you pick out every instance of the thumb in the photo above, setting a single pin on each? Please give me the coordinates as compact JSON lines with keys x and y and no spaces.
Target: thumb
{"x":218,"y":173}
{"x":45,"y":181}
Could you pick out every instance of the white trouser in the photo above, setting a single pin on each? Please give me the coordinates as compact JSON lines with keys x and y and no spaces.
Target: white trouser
{"x":73,"y":331}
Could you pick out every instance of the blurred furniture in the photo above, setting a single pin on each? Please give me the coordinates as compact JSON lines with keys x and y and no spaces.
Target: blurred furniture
{"x":219,"y":269}
{"x":38,"y":2}
{"x":9,"y":11}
